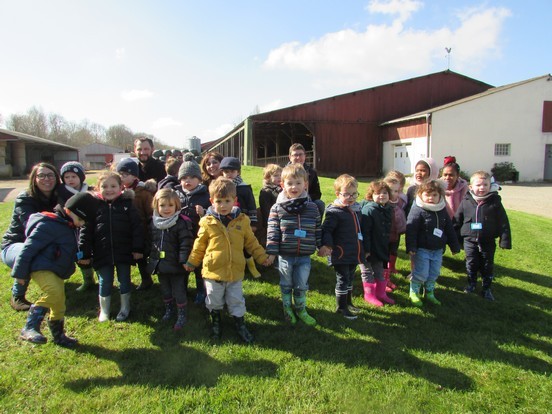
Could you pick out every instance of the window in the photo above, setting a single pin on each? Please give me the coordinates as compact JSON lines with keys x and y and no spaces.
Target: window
{"x":547,"y":116}
{"x":502,"y":149}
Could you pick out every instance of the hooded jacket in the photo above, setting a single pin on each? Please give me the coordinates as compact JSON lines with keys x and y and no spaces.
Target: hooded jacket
{"x":377,"y":223}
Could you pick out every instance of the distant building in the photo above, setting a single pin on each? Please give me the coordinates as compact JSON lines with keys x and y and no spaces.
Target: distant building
{"x":96,"y":156}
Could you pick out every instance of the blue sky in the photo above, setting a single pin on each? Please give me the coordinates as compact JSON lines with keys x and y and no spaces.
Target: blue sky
{"x":176,"y":69}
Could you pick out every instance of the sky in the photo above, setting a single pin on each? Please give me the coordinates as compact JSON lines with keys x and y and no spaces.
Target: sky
{"x":177,"y":69}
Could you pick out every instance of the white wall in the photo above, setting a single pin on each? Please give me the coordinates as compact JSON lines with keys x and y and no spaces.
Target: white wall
{"x":417,"y":150}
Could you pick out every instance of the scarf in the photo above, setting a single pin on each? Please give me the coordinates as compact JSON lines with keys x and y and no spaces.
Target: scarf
{"x":224,"y":219}
{"x":200,"y":187}
{"x":73,"y":191}
{"x":238,"y":180}
{"x":164,"y":223}
{"x":431,"y":207}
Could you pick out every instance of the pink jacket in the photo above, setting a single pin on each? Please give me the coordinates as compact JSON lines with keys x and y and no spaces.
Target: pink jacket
{"x":454,"y":197}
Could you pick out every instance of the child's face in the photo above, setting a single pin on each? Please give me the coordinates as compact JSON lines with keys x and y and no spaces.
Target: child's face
{"x":347,"y":195}
{"x":110,"y":189}
{"x":189,"y":183}
{"x":394,"y":196}
{"x":223,"y":205}
{"x":294,"y":186}
{"x":431,"y":197}
{"x":166,"y":208}
{"x":72,"y":180}
{"x":381,"y":198}
{"x":480,"y":186}
{"x":421,"y":173}
{"x":276,"y":178}
{"x":450,"y":176}
{"x":212,"y":166}
{"x":77,"y":221}
{"x":230,"y":174}
{"x":127,"y":179}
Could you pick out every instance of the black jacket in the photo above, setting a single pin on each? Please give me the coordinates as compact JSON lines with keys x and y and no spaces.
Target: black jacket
{"x":151,"y":169}
{"x":340,"y":231}
{"x":246,"y":202}
{"x":420,"y":230}
{"x":189,"y":201}
{"x":377,"y":224}
{"x":267,"y":198}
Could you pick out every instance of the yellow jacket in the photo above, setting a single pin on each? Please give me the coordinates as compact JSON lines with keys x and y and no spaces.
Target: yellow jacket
{"x":221,"y":248}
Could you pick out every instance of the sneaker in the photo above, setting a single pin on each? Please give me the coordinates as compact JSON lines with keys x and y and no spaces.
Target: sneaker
{"x":19,"y":303}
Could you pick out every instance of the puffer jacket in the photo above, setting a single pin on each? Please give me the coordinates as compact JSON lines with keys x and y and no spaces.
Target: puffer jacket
{"x":220,"y":248}
{"x":50,"y":244}
{"x":420,"y":230}
{"x":342,"y":231}
{"x":189,"y":200}
{"x":377,"y":224}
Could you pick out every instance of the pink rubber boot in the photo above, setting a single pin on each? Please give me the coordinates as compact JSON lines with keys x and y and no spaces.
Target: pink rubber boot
{"x":390,"y":286}
{"x":380,"y":292}
{"x":370,"y":294}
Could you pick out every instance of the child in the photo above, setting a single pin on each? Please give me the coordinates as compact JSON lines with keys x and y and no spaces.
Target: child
{"x":272,"y":178}
{"x":481,"y":218}
{"x":231,"y":168}
{"x":142,"y":196}
{"x":428,"y":230}
{"x":376,"y":216}
{"x":224,"y":232}
{"x":172,"y":241}
{"x":194,"y":199}
{"x":398,"y":225}
{"x":456,"y":186}
{"x":171,"y":180}
{"x":397,"y":175}
{"x":114,"y":240}
{"x":425,"y":170}
{"x":342,"y":238}
{"x":48,"y":257}
{"x":294,"y":233}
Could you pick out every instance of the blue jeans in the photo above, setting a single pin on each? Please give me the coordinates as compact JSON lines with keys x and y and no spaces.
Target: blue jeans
{"x":9,"y":255}
{"x":294,"y":273}
{"x":106,"y":276}
{"x":427,"y":265}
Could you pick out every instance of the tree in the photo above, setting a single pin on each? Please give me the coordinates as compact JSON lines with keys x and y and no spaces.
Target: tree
{"x":120,"y":136}
{"x":33,"y":123}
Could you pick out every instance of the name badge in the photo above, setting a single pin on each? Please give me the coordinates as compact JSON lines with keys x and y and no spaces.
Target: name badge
{"x":300,"y":233}
{"x":80,"y":255}
{"x":360,"y":236}
{"x":438,"y":232}
{"x":476,"y":226}
{"x":161,"y":254}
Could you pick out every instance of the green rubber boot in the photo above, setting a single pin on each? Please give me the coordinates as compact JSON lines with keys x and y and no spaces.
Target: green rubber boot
{"x":301,"y":311}
{"x":414,"y":297}
{"x":429,"y":293}
{"x":288,"y":311}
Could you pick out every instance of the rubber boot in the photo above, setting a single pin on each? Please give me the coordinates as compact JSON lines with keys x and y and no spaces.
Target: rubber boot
{"x":125,"y":308}
{"x":88,"y":281}
{"x":19,"y":303}
{"x":181,"y":318}
{"x":169,"y":310}
{"x":352,"y":308}
{"x":414,"y":295}
{"x":390,"y":286}
{"x":380,"y":292}
{"x":392,"y":265}
{"x":243,"y":332}
{"x":58,"y":332}
{"x":472,"y":281}
{"x":105,"y":305}
{"x":289,"y":315}
{"x":252,"y":268}
{"x":370,"y":294}
{"x":486,"y":292}
{"x":341,"y":301}
{"x":301,"y":309}
{"x":31,"y":330}
{"x":430,"y":293}
{"x":216,"y":328}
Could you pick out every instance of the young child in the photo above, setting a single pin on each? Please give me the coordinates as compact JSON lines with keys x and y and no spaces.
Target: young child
{"x":342,"y":238}
{"x":424,"y":170}
{"x":272,"y":179}
{"x":456,"y":186}
{"x":398,"y":226}
{"x":48,"y":258}
{"x":171,"y":180}
{"x":142,"y":195}
{"x":194,"y":199}
{"x":172,"y":241}
{"x":231,"y":169}
{"x":377,"y":217}
{"x":294,"y":232}
{"x":113,"y":240}
{"x":224,"y":233}
{"x":428,"y":230}
{"x":399,"y":176}
{"x":481,"y":218}
{"x":73,"y":176}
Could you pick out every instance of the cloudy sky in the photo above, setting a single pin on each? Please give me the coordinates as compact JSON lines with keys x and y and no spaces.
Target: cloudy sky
{"x":176,"y":69}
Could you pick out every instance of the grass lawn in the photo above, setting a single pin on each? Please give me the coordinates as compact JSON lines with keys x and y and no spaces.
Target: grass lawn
{"x":466,"y":356}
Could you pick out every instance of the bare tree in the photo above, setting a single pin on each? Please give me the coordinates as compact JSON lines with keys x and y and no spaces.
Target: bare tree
{"x":33,"y":123}
{"x":120,"y":136}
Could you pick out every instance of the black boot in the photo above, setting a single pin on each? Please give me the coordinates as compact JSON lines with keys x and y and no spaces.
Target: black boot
{"x":19,"y":303}
{"x":31,"y":331}
{"x":169,"y":311}
{"x":56,"y":327}
{"x":243,"y":332}
{"x":216,"y":328}
{"x":342,"y":307}
{"x":486,"y":292}
{"x":181,"y":319}
{"x":472,"y":280}
{"x":352,"y":308}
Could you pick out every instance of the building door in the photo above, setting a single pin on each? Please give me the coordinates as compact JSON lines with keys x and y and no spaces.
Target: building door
{"x":402,"y":161}
{"x":548,"y":162}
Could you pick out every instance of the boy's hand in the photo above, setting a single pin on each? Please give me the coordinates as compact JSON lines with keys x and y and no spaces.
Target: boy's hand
{"x":270,"y":260}
{"x":137,"y":256}
{"x":253,"y":229}
{"x":324,"y":251}
{"x":84,"y":262}
{"x":188,"y":267}
{"x":200,"y":211}
{"x":412,"y":254}
{"x":20,"y":281}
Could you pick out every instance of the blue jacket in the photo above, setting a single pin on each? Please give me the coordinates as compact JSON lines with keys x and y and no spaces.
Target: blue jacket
{"x":340,"y":231}
{"x":51,"y":244}
{"x":377,"y":224}
{"x":420,"y":230}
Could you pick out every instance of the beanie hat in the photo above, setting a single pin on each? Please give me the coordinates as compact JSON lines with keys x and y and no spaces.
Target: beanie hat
{"x":189,"y":168}
{"x":129,"y":166}
{"x":84,"y":205}
{"x":230,"y":163}
{"x":74,"y":167}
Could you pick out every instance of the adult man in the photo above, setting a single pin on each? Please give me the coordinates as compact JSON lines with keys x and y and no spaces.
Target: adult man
{"x":149,"y":166}
{"x":297,"y":155}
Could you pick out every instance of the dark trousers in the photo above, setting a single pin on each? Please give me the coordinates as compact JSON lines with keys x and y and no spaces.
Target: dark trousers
{"x":174,"y":286}
{"x":344,"y":274}
{"x":480,"y":259}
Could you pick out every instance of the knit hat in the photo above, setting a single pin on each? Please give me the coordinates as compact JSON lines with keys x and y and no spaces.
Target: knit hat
{"x":74,"y":167}
{"x":230,"y":163}
{"x":129,"y":166}
{"x":189,"y":168}
{"x":84,"y":205}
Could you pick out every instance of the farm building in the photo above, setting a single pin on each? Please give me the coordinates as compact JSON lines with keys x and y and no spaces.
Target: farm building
{"x":96,"y":156}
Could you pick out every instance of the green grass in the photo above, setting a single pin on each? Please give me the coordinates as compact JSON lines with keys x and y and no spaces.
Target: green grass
{"x":466,"y":356}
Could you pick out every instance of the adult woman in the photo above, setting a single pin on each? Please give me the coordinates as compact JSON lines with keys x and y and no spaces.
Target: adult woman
{"x":210,"y":167}
{"x":41,"y":195}
{"x":456,"y":186}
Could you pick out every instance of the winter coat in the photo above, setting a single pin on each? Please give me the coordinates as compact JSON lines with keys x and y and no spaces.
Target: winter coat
{"x":455,"y":196}
{"x":340,"y":231}
{"x":142,"y":199}
{"x":267,"y":198}
{"x":114,"y":235}
{"x":283,"y":223}
{"x":398,"y":220}
{"x":50,"y":244}
{"x":377,"y":224}
{"x":220,"y":248}
{"x":246,"y":201}
{"x":189,"y":200}
{"x":492,"y":216}
{"x":151,"y":169}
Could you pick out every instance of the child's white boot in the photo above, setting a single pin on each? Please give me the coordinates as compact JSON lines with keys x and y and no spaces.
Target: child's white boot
{"x":105,"y":305}
{"x":125,"y":307}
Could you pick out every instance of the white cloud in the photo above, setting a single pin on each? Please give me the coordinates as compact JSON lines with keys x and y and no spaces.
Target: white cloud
{"x":136,"y":94}
{"x":165,"y":122}
{"x":404,"y":8}
{"x":120,"y":53}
